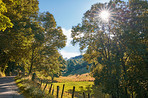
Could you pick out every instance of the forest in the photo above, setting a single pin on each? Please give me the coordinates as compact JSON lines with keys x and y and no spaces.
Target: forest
{"x":115,"y":48}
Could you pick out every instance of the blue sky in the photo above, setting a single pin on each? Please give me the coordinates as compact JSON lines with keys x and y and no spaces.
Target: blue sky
{"x":67,"y":13}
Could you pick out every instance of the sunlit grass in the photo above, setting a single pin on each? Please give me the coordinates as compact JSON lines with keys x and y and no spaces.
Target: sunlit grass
{"x":78,"y":85}
{"x":72,"y":78}
{"x":81,"y":85}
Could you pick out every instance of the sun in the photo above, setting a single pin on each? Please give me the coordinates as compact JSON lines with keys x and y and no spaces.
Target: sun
{"x":104,"y":15}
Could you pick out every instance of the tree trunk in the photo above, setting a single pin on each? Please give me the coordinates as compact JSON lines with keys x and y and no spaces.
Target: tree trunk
{"x":32,"y":58}
{"x":30,"y":70}
{"x":125,"y":77}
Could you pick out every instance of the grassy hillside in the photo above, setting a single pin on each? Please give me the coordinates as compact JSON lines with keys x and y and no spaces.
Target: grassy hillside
{"x":80,"y":71}
{"x":77,"y":65}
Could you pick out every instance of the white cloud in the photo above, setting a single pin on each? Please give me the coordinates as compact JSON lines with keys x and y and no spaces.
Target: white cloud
{"x":69,"y":51}
{"x":68,"y":54}
{"x":80,"y":35}
{"x":68,"y":34}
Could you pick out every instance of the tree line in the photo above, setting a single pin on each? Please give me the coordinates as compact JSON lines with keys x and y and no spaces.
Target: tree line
{"x":118,"y":49}
{"x":29,"y":40}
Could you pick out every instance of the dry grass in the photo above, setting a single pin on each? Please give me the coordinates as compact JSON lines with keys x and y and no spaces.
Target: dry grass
{"x":75,"y":78}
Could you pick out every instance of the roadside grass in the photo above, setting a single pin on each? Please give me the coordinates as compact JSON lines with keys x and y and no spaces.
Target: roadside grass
{"x":30,"y":89}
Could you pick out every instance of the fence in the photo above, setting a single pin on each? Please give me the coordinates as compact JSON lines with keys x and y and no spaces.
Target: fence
{"x":51,"y":88}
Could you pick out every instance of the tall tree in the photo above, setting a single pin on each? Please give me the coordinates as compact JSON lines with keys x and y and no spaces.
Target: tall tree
{"x":138,"y":46}
{"x":112,"y":47}
{"x":15,"y":42}
{"x":52,"y":39}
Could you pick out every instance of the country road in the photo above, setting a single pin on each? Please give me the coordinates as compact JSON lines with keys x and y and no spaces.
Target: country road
{"x":8,"y":88}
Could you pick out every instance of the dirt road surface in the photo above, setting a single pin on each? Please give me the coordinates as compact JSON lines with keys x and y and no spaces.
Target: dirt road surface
{"x":8,"y":88}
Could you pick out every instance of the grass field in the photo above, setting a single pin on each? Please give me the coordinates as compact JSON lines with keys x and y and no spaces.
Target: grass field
{"x":82,"y":83}
{"x":79,"y":88}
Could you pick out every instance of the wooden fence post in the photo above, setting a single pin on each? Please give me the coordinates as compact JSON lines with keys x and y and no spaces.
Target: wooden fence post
{"x":88,"y":95}
{"x":62,"y":90}
{"x":83,"y":94}
{"x":73,"y":92}
{"x":33,"y":76}
{"x":45,"y":86}
{"x":53,"y":90}
{"x":57,"y":91}
{"x":41,"y":84}
{"x":50,"y":88}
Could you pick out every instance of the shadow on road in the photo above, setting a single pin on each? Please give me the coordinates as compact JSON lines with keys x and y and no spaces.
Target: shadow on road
{"x":8,"y":88}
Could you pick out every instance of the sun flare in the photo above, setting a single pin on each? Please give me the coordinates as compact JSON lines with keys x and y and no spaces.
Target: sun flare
{"x":104,"y":15}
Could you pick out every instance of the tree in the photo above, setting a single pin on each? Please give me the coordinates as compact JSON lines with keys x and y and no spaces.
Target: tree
{"x":5,"y":21}
{"x":51,"y":39}
{"x":15,"y":42}
{"x":51,"y":66}
{"x":32,"y":42}
{"x":112,"y":47}
{"x":138,"y":47}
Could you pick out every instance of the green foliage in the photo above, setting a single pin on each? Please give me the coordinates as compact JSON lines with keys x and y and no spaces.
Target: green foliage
{"x":5,"y":21}
{"x":32,"y":43}
{"x":15,"y":42}
{"x":45,"y":57}
{"x":47,"y":40}
{"x":118,"y":49}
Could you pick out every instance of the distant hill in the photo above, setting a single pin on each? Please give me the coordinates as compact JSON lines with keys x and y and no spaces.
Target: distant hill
{"x":77,"y":57}
{"x":76,"y":65}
